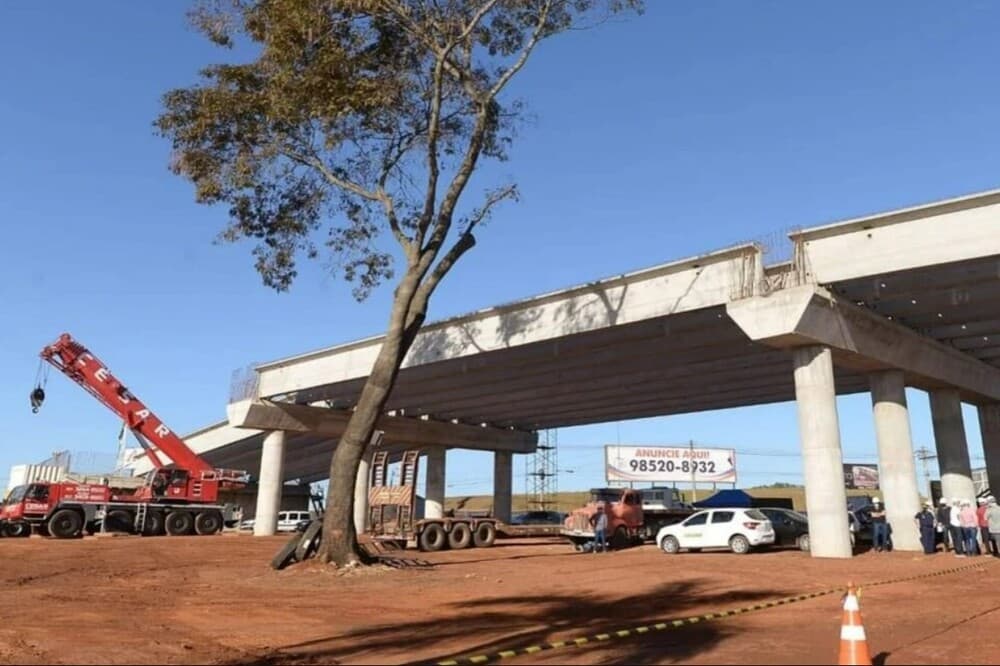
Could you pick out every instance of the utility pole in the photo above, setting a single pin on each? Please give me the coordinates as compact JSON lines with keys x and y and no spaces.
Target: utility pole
{"x":924,"y":454}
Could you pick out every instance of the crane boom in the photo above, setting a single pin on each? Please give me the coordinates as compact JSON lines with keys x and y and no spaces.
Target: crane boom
{"x":79,"y":364}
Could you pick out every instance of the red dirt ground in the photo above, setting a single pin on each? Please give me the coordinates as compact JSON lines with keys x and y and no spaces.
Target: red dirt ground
{"x":215,"y":600}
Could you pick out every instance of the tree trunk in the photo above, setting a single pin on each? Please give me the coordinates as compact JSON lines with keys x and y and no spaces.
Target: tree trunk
{"x":340,"y":541}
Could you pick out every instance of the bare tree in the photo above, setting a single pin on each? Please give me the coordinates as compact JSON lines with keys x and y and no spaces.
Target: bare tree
{"x":348,"y":119}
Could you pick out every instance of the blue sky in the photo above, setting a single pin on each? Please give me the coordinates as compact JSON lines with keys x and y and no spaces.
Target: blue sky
{"x":696,"y":126}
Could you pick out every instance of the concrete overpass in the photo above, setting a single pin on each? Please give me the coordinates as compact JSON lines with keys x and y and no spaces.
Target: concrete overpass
{"x":903,"y":298}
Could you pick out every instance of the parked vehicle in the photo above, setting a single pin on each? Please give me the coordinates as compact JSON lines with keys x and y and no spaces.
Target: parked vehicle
{"x":740,"y":530}
{"x":288,"y":521}
{"x":629,"y":522}
{"x":392,"y":516}
{"x":791,"y":528}
{"x":537,"y":518}
{"x":176,"y":500}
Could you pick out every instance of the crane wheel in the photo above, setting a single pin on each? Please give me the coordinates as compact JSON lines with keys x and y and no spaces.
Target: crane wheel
{"x":119,"y":520}
{"x":460,"y":536}
{"x":18,"y":529}
{"x":286,"y":555}
{"x":179,"y":523}
{"x":433,"y":538}
{"x":65,"y":524}
{"x":154,"y":524}
{"x":208,"y":522}
{"x":485,"y":535}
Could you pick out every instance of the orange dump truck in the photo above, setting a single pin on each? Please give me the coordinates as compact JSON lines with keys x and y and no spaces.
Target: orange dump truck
{"x":634,"y":515}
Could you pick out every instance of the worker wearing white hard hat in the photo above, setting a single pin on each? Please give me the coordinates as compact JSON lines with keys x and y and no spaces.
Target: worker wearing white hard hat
{"x":880,"y":527}
{"x":955,"y":527}
{"x":970,"y":528}
{"x":989,"y":547}
{"x":925,"y":523}
{"x":943,"y":524}
{"x":993,"y":520}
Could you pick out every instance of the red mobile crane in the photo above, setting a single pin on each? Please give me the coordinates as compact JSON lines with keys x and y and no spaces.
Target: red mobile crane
{"x":178,"y":499}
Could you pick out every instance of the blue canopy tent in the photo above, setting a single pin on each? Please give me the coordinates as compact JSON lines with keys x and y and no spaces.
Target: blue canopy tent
{"x":726,"y":498}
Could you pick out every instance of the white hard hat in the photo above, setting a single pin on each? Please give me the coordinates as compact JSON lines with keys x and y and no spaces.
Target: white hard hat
{"x":982,"y":500}
{"x":876,"y":500}
{"x":944,"y":500}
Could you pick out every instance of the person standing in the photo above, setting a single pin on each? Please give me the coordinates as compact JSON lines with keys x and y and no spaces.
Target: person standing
{"x":880,"y":528}
{"x":600,"y":522}
{"x":944,"y":522}
{"x":970,"y":527}
{"x":993,"y":518}
{"x":925,"y":522}
{"x":989,"y":548}
{"x":955,"y":528}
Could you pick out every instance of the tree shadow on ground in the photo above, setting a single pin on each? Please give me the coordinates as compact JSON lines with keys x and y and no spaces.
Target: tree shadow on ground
{"x":487,"y":626}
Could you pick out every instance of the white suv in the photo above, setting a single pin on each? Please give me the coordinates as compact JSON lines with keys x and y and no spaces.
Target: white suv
{"x":736,"y":529}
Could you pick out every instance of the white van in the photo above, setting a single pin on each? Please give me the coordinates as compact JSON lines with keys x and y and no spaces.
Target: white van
{"x":287,"y":520}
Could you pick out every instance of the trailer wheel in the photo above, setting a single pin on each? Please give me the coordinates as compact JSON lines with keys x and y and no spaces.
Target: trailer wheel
{"x":433,"y":538}
{"x":18,"y":529}
{"x":65,"y":524}
{"x":485,"y":535}
{"x":309,"y":543}
{"x":460,"y":537}
{"x":286,"y":555}
{"x":119,"y":520}
{"x":179,"y":523}
{"x":208,"y":522}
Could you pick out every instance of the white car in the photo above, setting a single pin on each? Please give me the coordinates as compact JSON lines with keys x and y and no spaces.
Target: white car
{"x":736,"y":529}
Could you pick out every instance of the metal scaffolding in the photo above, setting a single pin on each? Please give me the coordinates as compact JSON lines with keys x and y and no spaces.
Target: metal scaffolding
{"x":541,"y":473}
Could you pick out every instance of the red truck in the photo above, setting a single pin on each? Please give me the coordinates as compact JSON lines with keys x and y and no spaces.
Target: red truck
{"x":634,"y":515}
{"x":179,"y":496}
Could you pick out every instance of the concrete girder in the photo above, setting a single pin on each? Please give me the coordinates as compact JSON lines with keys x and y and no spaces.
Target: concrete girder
{"x":809,"y":315}
{"x":690,"y":284}
{"x":950,"y":331}
{"x":903,"y":239}
{"x":913,"y":284}
{"x":703,"y":402}
{"x":396,"y":429}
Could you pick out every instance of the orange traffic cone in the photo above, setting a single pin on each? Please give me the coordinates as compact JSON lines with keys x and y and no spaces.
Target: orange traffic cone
{"x":853,"y":645}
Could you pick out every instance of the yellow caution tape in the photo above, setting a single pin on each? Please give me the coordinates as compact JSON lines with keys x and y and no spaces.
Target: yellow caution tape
{"x":675,"y":624}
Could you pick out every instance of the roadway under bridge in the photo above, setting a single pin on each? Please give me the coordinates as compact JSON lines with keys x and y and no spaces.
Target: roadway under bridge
{"x":905,"y":298}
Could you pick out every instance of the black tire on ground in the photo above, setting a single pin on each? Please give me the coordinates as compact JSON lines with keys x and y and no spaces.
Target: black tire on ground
{"x":65,"y":524}
{"x":739,"y":544}
{"x":803,"y":542}
{"x":286,"y":555}
{"x":119,"y":520}
{"x":670,"y":545}
{"x":619,"y":540}
{"x":179,"y":523}
{"x":460,"y":536}
{"x":208,"y":522}
{"x":485,"y":535}
{"x":433,"y":538}
{"x":154,"y":524}
{"x":18,"y":530}
{"x":309,"y":541}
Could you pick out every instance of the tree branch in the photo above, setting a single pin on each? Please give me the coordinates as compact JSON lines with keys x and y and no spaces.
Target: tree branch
{"x":536,"y":36}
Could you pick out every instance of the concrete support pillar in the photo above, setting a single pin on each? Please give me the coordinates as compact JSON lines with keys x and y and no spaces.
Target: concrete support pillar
{"x":361,"y":481}
{"x":952,"y":448}
{"x":502,"y":481}
{"x":434,"y":501}
{"x":822,"y":459}
{"x":897,"y":470}
{"x":989,"y":426}
{"x":361,"y":492}
{"x":272,"y":467}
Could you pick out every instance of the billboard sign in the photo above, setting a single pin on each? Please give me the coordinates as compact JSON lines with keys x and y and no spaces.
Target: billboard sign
{"x":860,"y":477}
{"x":670,"y":464}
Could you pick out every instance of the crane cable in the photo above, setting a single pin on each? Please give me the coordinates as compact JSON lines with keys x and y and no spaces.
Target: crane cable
{"x":41,"y":379}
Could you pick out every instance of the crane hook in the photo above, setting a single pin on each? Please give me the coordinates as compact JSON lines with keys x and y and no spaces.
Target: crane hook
{"x":37,"y":398}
